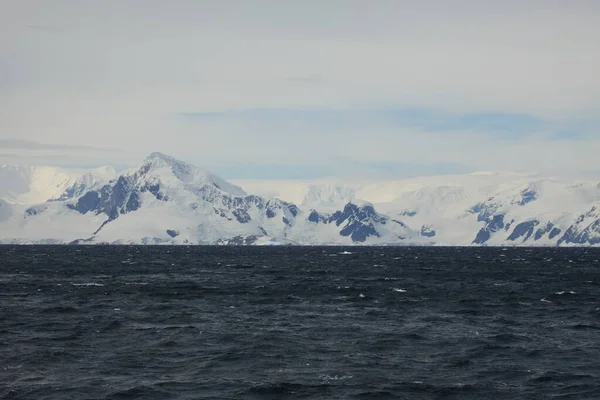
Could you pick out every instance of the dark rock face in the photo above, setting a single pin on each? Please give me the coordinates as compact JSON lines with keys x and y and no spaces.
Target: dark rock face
{"x":493,"y":224}
{"x":134,"y":202}
{"x":222,"y":214}
{"x":408,"y":213}
{"x":173,"y":233}
{"x":240,"y":241}
{"x":402,"y":224}
{"x":523,"y":230}
{"x":353,"y":212}
{"x":484,"y":210}
{"x":590,"y":234}
{"x":496,"y":223}
{"x":358,"y":222}
{"x":482,"y":236}
{"x":155,"y":190}
{"x":570,"y":236}
{"x":80,"y":241}
{"x":114,"y":199}
{"x":242,"y":216}
{"x":527,"y":196}
{"x":35,"y":210}
{"x":583,"y":231}
{"x":89,"y":202}
{"x":541,"y":232}
{"x":554,"y":233}
{"x":509,"y":225}
{"x":241,"y":206}
{"x":358,"y":231}
{"x":72,"y":192}
{"x":293,"y":209}
{"x":427,"y":231}
{"x":315,"y":217}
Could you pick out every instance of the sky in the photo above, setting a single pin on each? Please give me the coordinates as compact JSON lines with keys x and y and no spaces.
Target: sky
{"x":303,"y":89}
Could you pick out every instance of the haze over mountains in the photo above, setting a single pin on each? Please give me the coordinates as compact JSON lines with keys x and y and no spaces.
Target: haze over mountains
{"x":167,"y":201}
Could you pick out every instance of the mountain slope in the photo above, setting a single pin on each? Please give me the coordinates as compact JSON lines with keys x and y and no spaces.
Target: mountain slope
{"x":33,"y":184}
{"x":168,"y":201}
{"x":165,"y":200}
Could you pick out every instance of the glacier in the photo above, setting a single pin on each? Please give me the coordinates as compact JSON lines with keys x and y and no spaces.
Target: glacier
{"x":167,"y":201}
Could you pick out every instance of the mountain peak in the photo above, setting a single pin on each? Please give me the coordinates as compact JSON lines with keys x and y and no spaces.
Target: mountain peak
{"x":164,"y":157}
{"x":171,"y":170}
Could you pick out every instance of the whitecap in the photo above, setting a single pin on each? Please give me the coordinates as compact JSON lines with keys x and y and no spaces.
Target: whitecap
{"x":545,"y":301}
{"x":399,"y":290}
{"x":362,"y":296}
{"x":87,"y":284}
{"x":345,"y":252}
{"x":336,"y":377}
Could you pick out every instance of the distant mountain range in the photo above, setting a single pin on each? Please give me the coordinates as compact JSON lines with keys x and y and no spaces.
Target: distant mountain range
{"x":166,"y":201}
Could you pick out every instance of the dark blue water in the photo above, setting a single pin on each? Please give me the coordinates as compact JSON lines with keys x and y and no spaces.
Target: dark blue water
{"x":298,"y":323}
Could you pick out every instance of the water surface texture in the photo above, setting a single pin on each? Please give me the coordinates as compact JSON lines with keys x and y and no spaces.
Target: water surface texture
{"x":298,"y":323}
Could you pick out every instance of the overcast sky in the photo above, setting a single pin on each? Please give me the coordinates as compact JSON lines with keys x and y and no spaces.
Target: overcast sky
{"x":276,"y":88}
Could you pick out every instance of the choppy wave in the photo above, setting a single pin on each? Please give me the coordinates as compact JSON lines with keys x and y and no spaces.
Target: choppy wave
{"x":297,"y":323}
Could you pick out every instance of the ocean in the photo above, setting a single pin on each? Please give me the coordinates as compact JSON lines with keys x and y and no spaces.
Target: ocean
{"x":103,"y":322}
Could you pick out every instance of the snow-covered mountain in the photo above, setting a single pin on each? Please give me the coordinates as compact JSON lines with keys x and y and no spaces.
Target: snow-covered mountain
{"x":34,"y":184}
{"x":166,"y":201}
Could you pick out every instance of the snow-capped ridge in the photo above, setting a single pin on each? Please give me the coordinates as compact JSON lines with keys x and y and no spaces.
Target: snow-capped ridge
{"x":361,"y":203}
{"x":37,"y":184}
{"x":162,"y":156}
{"x":168,"y":201}
{"x":169,"y":171}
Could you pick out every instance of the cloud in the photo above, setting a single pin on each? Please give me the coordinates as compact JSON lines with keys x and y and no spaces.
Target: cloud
{"x":29,"y":144}
{"x":42,"y":28}
{"x":511,"y":124}
{"x":116,"y":74}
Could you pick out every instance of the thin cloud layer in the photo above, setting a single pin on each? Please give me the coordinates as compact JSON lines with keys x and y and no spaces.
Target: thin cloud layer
{"x":117,"y":74}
